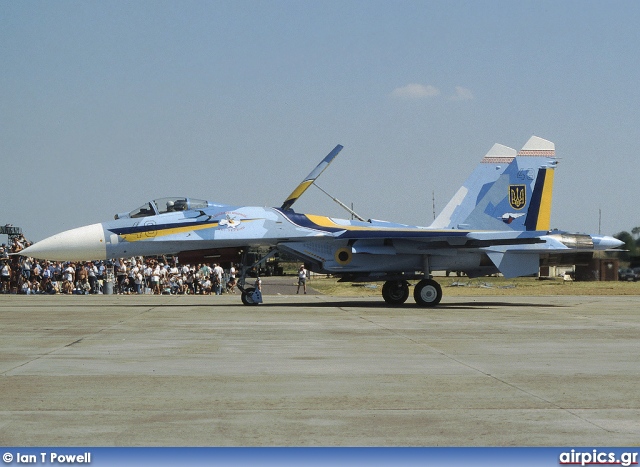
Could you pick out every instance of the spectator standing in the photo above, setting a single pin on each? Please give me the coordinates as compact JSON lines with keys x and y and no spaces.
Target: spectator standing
{"x":26,"y":268}
{"x":5,"y":277}
{"x":155,"y":279}
{"x":147,"y":271}
{"x":190,"y":282}
{"x":69,"y":274}
{"x":57,"y":272}
{"x":36,"y":271}
{"x":138,"y":280}
{"x":217,"y":273}
{"x":92,"y":273}
{"x":302,"y":278}
{"x":164,"y":277}
{"x":121,"y":275}
{"x":231,"y":285}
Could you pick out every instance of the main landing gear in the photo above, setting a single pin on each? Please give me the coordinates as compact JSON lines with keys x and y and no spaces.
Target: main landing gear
{"x":427,"y":292}
{"x":395,"y":292}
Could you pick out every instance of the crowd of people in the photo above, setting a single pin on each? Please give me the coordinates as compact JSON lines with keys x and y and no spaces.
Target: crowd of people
{"x":138,"y":275}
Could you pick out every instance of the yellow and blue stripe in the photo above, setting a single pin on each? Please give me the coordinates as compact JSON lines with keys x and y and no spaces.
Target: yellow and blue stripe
{"x":539,"y":214}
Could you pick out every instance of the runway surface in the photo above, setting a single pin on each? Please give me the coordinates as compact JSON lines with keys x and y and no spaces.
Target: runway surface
{"x":318,"y":371}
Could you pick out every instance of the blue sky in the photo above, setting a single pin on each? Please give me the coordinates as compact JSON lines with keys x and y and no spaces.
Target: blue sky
{"x":105,"y":105}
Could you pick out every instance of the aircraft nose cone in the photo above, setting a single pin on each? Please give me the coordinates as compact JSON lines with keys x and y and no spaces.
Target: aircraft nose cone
{"x":605,"y":242}
{"x":81,"y":244}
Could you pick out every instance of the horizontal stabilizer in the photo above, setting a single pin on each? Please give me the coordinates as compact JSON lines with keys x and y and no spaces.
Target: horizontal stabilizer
{"x":515,"y":264}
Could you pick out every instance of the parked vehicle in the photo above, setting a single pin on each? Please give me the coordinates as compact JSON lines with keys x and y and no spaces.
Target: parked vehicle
{"x":628,"y":274}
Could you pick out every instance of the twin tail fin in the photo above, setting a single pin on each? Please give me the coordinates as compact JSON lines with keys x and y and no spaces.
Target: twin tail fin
{"x":507,"y":191}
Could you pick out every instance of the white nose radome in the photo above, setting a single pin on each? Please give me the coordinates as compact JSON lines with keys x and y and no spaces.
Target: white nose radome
{"x":81,"y":244}
{"x":604,"y":242}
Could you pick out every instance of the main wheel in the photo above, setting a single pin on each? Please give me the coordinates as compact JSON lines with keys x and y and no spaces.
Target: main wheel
{"x":395,"y":292}
{"x":246,"y":296}
{"x":427,"y":293}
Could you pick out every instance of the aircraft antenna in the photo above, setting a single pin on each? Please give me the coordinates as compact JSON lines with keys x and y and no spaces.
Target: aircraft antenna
{"x":344,"y":206}
{"x":433,"y":201}
{"x":599,"y":220}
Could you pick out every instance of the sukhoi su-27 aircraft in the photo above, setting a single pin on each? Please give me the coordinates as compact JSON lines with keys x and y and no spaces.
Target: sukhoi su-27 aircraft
{"x":498,"y":221}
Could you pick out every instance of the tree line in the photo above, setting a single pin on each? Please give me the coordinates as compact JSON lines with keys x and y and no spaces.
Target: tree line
{"x":631,"y":243}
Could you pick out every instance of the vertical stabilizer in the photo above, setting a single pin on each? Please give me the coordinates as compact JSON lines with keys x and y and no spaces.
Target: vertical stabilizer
{"x":492,"y":165}
{"x":539,"y":214}
{"x":519,"y":198}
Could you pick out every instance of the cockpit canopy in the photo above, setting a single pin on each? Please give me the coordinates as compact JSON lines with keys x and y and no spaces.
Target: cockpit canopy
{"x":164,"y":205}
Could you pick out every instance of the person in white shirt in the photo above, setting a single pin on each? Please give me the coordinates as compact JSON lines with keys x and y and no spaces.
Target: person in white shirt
{"x":5,"y":276}
{"x":70,"y":273}
{"x":217,"y":273}
{"x":231,"y":285}
{"x":93,"y":280}
{"x":302,"y":278}
{"x":155,"y":280}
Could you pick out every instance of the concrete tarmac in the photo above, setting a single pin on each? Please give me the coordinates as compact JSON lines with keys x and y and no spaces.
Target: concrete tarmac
{"x":318,"y":371}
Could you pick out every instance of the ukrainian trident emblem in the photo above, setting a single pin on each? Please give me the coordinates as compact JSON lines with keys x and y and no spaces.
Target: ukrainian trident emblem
{"x":517,"y":196}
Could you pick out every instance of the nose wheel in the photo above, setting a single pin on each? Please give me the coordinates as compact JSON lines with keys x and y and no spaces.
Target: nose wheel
{"x":249,"y":296}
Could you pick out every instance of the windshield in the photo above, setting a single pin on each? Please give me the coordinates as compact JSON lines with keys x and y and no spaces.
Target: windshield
{"x":171,"y":204}
{"x":143,"y":211}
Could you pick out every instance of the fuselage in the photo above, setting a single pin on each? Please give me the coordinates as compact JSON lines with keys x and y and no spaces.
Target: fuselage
{"x":327,"y":245}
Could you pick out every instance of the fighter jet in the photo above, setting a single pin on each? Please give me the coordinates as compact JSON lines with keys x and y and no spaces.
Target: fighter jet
{"x":497,"y":222}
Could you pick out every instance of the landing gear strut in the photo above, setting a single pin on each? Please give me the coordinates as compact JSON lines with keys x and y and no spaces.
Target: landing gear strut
{"x":395,"y":292}
{"x":251,"y":296}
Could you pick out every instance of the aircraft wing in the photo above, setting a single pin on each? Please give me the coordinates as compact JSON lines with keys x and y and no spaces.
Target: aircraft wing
{"x":365,"y":246}
{"x":309,"y":179}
